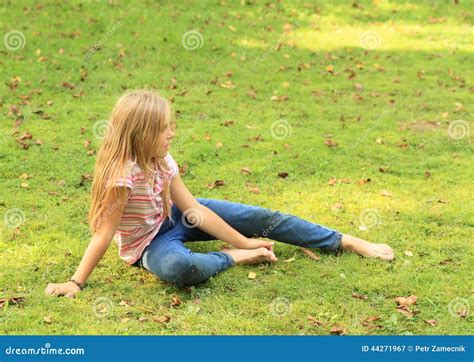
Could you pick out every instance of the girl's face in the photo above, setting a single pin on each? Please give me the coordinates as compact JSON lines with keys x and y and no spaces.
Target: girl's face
{"x":164,"y":140}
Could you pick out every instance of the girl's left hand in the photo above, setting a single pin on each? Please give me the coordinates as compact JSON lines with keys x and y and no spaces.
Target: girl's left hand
{"x":256,"y":243}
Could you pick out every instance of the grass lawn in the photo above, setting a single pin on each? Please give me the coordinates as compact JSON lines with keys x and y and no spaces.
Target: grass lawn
{"x":364,"y":105}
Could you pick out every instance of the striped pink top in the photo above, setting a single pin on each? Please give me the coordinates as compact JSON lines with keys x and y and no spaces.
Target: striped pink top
{"x":143,"y":214}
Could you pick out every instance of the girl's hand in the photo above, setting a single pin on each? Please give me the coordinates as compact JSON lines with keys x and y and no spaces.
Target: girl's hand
{"x":256,"y":243}
{"x":68,"y":289}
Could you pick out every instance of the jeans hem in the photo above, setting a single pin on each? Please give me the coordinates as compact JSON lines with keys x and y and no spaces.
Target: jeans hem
{"x":230,"y":260}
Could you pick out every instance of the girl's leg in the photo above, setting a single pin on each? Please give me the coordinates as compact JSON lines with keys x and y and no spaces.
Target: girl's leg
{"x":168,"y":258}
{"x":255,"y":221}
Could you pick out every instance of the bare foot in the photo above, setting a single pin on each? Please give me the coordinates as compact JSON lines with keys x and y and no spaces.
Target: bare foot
{"x":251,"y":256}
{"x":367,"y":249}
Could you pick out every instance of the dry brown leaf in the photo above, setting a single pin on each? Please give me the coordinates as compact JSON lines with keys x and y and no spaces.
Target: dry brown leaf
{"x":11,"y":300}
{"x":406,"y":301}
{"x":162,"y":319}
{"x":311,"y":255}
{"x":432,"y":322}
{"x":359,"y":296}
{"x":175,"y":301}
{"x":337,"y":330}
{"x":315,"y":322}
{"x":246,"y":170}
{"x":330,"y":143}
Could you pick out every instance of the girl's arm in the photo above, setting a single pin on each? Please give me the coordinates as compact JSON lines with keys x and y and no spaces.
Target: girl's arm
{"x":208,"y":221}
{"x":98,"y":245}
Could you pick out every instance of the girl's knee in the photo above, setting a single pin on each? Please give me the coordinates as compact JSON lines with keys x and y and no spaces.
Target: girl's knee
{"x":177,"y":268}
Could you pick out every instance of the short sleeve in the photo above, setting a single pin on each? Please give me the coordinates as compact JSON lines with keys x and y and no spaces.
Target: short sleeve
{"x":127,"y":178}
{"x":172,"y":165}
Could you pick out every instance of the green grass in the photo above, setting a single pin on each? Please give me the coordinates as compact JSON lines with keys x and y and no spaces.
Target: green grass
{"x":420,"y":72}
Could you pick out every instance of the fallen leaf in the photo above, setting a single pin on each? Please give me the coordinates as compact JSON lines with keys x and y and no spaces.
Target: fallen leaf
{"x":403,"y":309}
{"x":368,"y":322}
{"x":311,"y":255}
{"x":408,"y":253}
{"x":359,"y":296}
{"x":386,"y":193}
{"x":406,"y":301}
{"x":246,"y":170}
{"x":332,"y":182}
{"x":252,"y":275}
{"x":47,"y":319}
{"x":11,"y":300}
{"x":315,"y":322}
{"x":125,"y":303}
{"x":330,"y":143}
{"x":162,"y":319}
{"x":175,"y":301}
{"x":280,"y":98}
{"x":432,"y":322}
{"x":338,"y":331}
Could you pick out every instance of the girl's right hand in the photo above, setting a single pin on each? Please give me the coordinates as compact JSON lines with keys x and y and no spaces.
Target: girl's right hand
{"x":68,"y":289}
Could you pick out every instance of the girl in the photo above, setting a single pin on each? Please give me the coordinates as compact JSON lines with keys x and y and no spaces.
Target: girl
{"x":138,"y":197}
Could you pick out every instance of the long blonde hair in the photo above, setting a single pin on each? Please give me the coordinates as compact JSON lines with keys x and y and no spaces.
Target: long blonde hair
{"x":136,"y":122}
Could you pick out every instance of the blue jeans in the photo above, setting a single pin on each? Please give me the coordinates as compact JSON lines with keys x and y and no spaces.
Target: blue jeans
{"x":168,"y":258}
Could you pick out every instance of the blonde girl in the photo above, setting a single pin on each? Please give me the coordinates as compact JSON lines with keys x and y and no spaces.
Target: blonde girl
{"x":140,"y":200}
